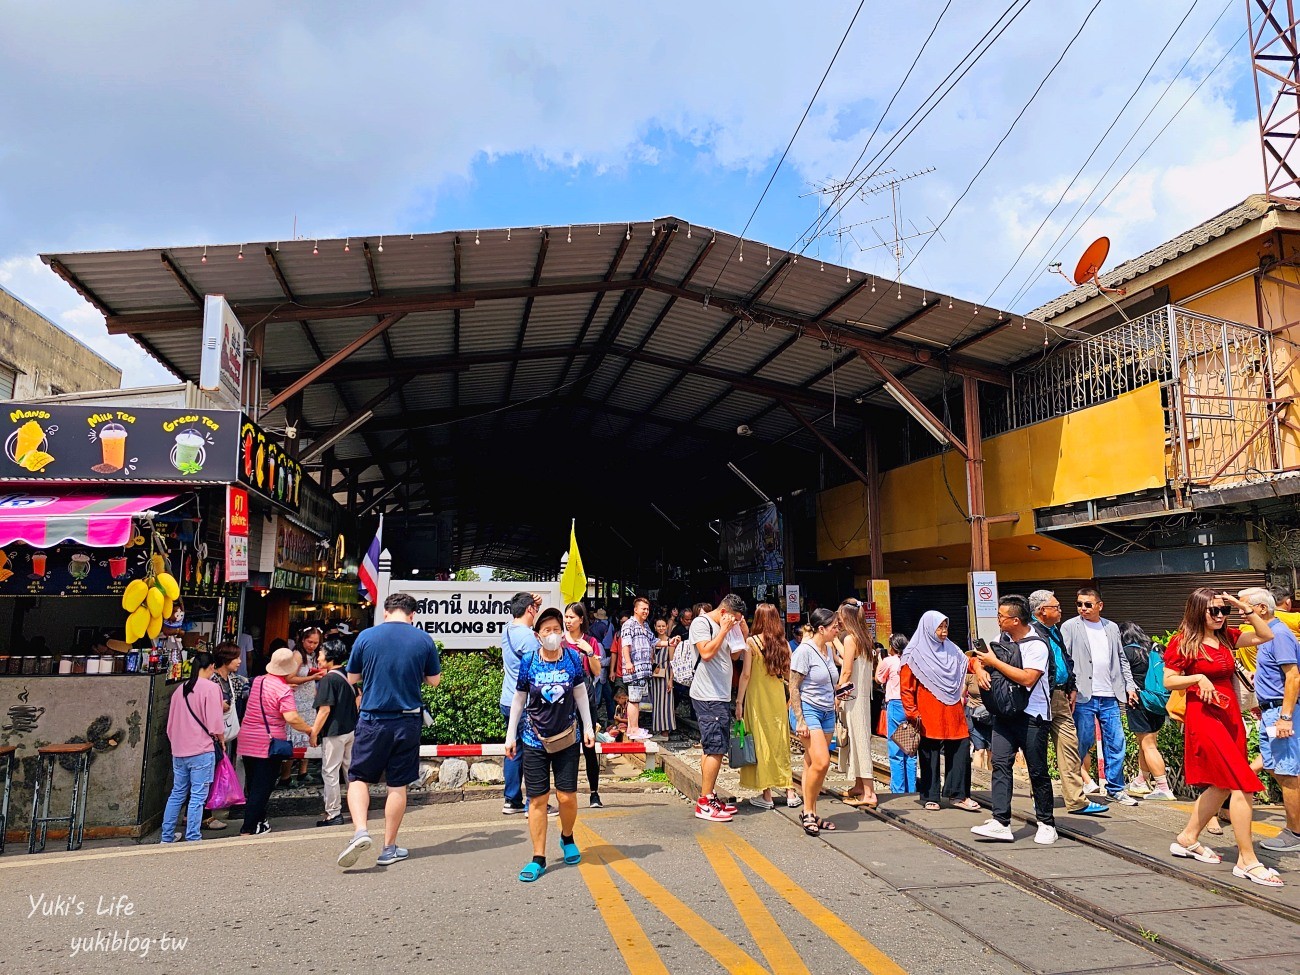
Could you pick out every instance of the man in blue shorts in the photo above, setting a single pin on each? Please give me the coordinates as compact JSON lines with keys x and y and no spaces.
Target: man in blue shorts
{"x":392,"y":661}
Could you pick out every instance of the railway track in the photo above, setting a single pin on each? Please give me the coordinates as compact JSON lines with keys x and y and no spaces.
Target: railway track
{"x":1186,"y":956}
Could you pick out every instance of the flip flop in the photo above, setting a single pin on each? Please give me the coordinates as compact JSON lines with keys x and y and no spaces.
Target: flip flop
{"x":968,"y":804}
{"x":1196,"y":851}
{"x":571,"y":853}
{"x":531,"y":872}
{"x":1267,"y":878}
{"x":932,"y":807}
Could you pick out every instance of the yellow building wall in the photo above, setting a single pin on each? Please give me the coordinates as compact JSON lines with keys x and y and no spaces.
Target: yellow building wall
{"x":1111,"y":449}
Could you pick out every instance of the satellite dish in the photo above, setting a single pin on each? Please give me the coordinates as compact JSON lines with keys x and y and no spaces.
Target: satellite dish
{"x":1090,"y":263}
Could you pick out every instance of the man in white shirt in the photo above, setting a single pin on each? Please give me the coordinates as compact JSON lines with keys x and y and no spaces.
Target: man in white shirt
{"x":1027,"y":731}
{"x":1103,"y":678}
{"x":719,"y":639}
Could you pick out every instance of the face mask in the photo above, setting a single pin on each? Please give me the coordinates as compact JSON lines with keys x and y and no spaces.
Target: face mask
{"x":552,"y":641}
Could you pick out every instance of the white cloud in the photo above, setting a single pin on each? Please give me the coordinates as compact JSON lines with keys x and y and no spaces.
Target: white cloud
{"x":193,"y":123}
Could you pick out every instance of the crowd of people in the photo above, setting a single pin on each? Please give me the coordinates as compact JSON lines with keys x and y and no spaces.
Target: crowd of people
{"x":572,"y":677}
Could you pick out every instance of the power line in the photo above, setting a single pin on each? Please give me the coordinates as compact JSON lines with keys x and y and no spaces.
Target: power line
{"x":802,"y":119}
{"x":1033,"y":274}
{"x":1006,"y":135}
{"x":1084,"y":165}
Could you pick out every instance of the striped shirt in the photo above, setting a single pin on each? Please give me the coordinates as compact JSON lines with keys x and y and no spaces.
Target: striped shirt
{"x":254,"y":741}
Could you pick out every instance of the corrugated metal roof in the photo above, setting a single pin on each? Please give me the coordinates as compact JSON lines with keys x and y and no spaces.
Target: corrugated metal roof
{"x":704,"y":342}
{"x":1251,"y":208}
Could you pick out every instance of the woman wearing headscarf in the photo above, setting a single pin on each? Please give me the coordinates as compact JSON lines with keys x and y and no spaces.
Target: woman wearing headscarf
{"x":932,"y":683}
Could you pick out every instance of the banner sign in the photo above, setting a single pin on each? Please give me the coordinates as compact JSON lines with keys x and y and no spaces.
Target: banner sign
{"x":236,"y":534}
{"x":464,"y":615}
{"x":236,"y":558}
{"x":752,"y":541}
{"x":297,"y":581}
{"x":295,"y":548}
{"x":221,"y":369}
{"x":98,"y":443}
{"x":267,"y":468}
{"x":792,"y":610}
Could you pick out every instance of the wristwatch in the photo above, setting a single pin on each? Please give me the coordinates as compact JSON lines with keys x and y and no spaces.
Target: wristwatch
{"x":1284,"y":717}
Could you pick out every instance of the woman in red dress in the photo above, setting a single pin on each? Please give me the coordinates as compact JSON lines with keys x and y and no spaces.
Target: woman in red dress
{"x":1199,"y":660}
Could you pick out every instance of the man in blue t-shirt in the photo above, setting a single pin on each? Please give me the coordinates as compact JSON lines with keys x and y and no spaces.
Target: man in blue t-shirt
{"x":392,"y":661}
{"x":517,"y":642}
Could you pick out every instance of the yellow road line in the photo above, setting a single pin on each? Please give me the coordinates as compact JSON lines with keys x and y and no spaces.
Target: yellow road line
{"x":638,"y":953}
{"x":274,"y":839}
{"x":771,"y":940}
{"x":859,"y":948}
{"x":1266,"y":830}
{"x":723,"y":950}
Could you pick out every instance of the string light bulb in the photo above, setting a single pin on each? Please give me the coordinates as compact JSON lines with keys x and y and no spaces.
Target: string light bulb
{"x":509,"y":231}
{"x":742,"y":252}
{"x":204,"y":258}
{"x":347,"y":246}
{"x":315,"y":247}
{"x":688,"y":231}
{"x":628,"y":235}
{"x":240,"y":256}
{"x":950,"y":304}
{"x":476,"y":237}
{"x":873,"y":284}
{"x":570,"y":233}
{"x":769,"y":257}
{"x":381,"y":243}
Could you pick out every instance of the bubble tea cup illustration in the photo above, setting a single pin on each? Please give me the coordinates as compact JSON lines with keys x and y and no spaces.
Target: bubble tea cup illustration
{"x":112,"y":442}
{"x":189,"y":454}
{"x":79,"y":566}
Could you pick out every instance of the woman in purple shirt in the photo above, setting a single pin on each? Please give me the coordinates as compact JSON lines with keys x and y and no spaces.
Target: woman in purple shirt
{"x":196,"y":730}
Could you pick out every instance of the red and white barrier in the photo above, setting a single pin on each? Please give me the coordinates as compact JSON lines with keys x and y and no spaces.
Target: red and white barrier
{"x":498,"y":751}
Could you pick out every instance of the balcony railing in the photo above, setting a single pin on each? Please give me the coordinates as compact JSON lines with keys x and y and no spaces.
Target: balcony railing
{"x":1218,"y":387}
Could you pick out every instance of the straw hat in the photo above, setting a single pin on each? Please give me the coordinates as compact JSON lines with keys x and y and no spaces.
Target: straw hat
{"x":601,"y":614}
{"x":283,"y":663}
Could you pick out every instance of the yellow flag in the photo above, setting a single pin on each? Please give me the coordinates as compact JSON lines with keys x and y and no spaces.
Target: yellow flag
{"x":573,"y":584}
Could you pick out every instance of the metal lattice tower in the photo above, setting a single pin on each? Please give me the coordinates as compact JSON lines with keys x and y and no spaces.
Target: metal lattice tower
{"x":1275,"y":55}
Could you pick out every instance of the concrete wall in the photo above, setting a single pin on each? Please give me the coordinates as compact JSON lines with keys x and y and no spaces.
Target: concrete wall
{"x":47,"y":358}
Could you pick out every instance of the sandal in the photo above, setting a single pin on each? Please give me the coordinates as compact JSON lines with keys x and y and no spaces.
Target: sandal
{"x":212,"y":823}
{"x":1197,"y":851}
{"x":826,"y":826}
{"x":810,"y":824}
{"x":531,"y":872}
{"x":793,"y":802}
{"x":931,"y":807}
{"x":1213,"y":828}
{"x":571,"y":853}
{"x":1257,"y":873}
{"x":968,"y":804}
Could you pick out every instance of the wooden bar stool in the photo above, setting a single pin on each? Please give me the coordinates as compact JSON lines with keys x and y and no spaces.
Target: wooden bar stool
{"x":7,"y":762}
{"x":48,"y":757}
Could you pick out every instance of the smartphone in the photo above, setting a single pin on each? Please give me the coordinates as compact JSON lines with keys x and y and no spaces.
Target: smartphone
{"x":981,"y":646}
{"x":844,"y":691}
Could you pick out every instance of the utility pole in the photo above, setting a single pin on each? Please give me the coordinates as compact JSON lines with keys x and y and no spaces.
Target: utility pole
{"x":1275,"y":55}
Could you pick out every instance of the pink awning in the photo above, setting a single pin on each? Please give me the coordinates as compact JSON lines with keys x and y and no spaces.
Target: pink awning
{"x":44,"y":519}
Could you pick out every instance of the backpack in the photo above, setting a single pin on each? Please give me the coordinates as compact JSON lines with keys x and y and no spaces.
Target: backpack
{"x":1005,"y":697}
{"x":685,"y":659}
{"x":1153,"y":697}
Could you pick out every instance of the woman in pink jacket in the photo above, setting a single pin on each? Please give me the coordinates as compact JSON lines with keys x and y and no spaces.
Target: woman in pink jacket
{"x":196,"y":731}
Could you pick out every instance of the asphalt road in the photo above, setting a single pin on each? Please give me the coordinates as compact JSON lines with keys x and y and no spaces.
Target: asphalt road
{"x":658,"y":891}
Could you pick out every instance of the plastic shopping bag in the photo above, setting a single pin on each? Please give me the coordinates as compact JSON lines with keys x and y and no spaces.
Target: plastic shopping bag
{"x":742,"y":747}
{"x":225,"y":791}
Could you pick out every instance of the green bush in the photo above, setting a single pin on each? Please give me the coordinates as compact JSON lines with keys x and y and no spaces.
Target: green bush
{"x":466,"y":705}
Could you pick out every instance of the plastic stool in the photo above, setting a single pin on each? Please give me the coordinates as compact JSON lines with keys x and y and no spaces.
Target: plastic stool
{"x":7,"y":761}
{"x":76,"y":818}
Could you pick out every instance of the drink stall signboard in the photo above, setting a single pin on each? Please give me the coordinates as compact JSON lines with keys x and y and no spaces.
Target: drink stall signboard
{"x":49,"y":442}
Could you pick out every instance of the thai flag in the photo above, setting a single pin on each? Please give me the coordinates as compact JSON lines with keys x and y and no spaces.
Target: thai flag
{"x":369,"y":571}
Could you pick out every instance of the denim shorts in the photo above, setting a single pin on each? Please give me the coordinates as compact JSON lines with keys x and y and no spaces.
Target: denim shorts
{"x":1281,"y":755}
{"x":815,"y":717}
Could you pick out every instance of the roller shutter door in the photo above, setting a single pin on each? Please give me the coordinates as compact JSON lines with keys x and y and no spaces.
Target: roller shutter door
{"x":1156,"y":602}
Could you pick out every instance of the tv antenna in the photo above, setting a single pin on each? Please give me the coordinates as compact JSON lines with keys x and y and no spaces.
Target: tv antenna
{"x":1088,"y":271}
{"x":901,"y":235}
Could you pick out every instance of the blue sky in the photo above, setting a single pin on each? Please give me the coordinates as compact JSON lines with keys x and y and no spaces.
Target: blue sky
{"x":143,"y":125}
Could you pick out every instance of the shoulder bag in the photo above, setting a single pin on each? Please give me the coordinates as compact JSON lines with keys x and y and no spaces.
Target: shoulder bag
{"x":564,"y":739}
{"x":277,"y":747}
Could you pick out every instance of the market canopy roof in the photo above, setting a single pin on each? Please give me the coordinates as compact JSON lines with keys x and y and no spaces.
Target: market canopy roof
{"x":44,"y":518}
{"x":515,"y":378}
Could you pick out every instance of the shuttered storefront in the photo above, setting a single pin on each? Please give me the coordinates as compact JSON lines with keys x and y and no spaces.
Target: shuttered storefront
{"x":1157,"y":602}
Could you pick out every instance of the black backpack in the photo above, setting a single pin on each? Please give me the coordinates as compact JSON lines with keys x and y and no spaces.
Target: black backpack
{"x":1005,"y":697}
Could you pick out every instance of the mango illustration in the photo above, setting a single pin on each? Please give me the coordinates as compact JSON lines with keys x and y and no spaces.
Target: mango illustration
{"x":36,"y":461}
{"x":30,"y":435}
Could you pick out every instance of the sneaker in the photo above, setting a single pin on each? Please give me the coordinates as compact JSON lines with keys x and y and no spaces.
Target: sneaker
{"x":391,"y":855}
{"x":552,"y":810}
{"x":1123,"y":798}
{"x":730,"y":808}
{"x":1090,"y":788}
{"x":1162,"y":795}
{"x":710,"y":813}
{"x":352,"y":852}
{"x":262,"y":827}
{"x":512,"y":809}
{"x":1138,"y":787}
{"x":759,"y":802}
{"x":595,"y":801}
{"x":331,"y":821}
{"x":1046,"y":835}
{"x":1287,"y":841}
{"x":993,"y":830}
{"x":1091,"y":809}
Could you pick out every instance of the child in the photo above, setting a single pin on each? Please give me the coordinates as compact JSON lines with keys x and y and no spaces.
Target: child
{"x":334,"y":727}
{"x":902,"y":768}
{"x":618,"y":728}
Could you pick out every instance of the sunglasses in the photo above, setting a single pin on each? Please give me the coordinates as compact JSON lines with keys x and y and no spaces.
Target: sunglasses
{"x":1083,"y":605}
{"x":1218,"y":610}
